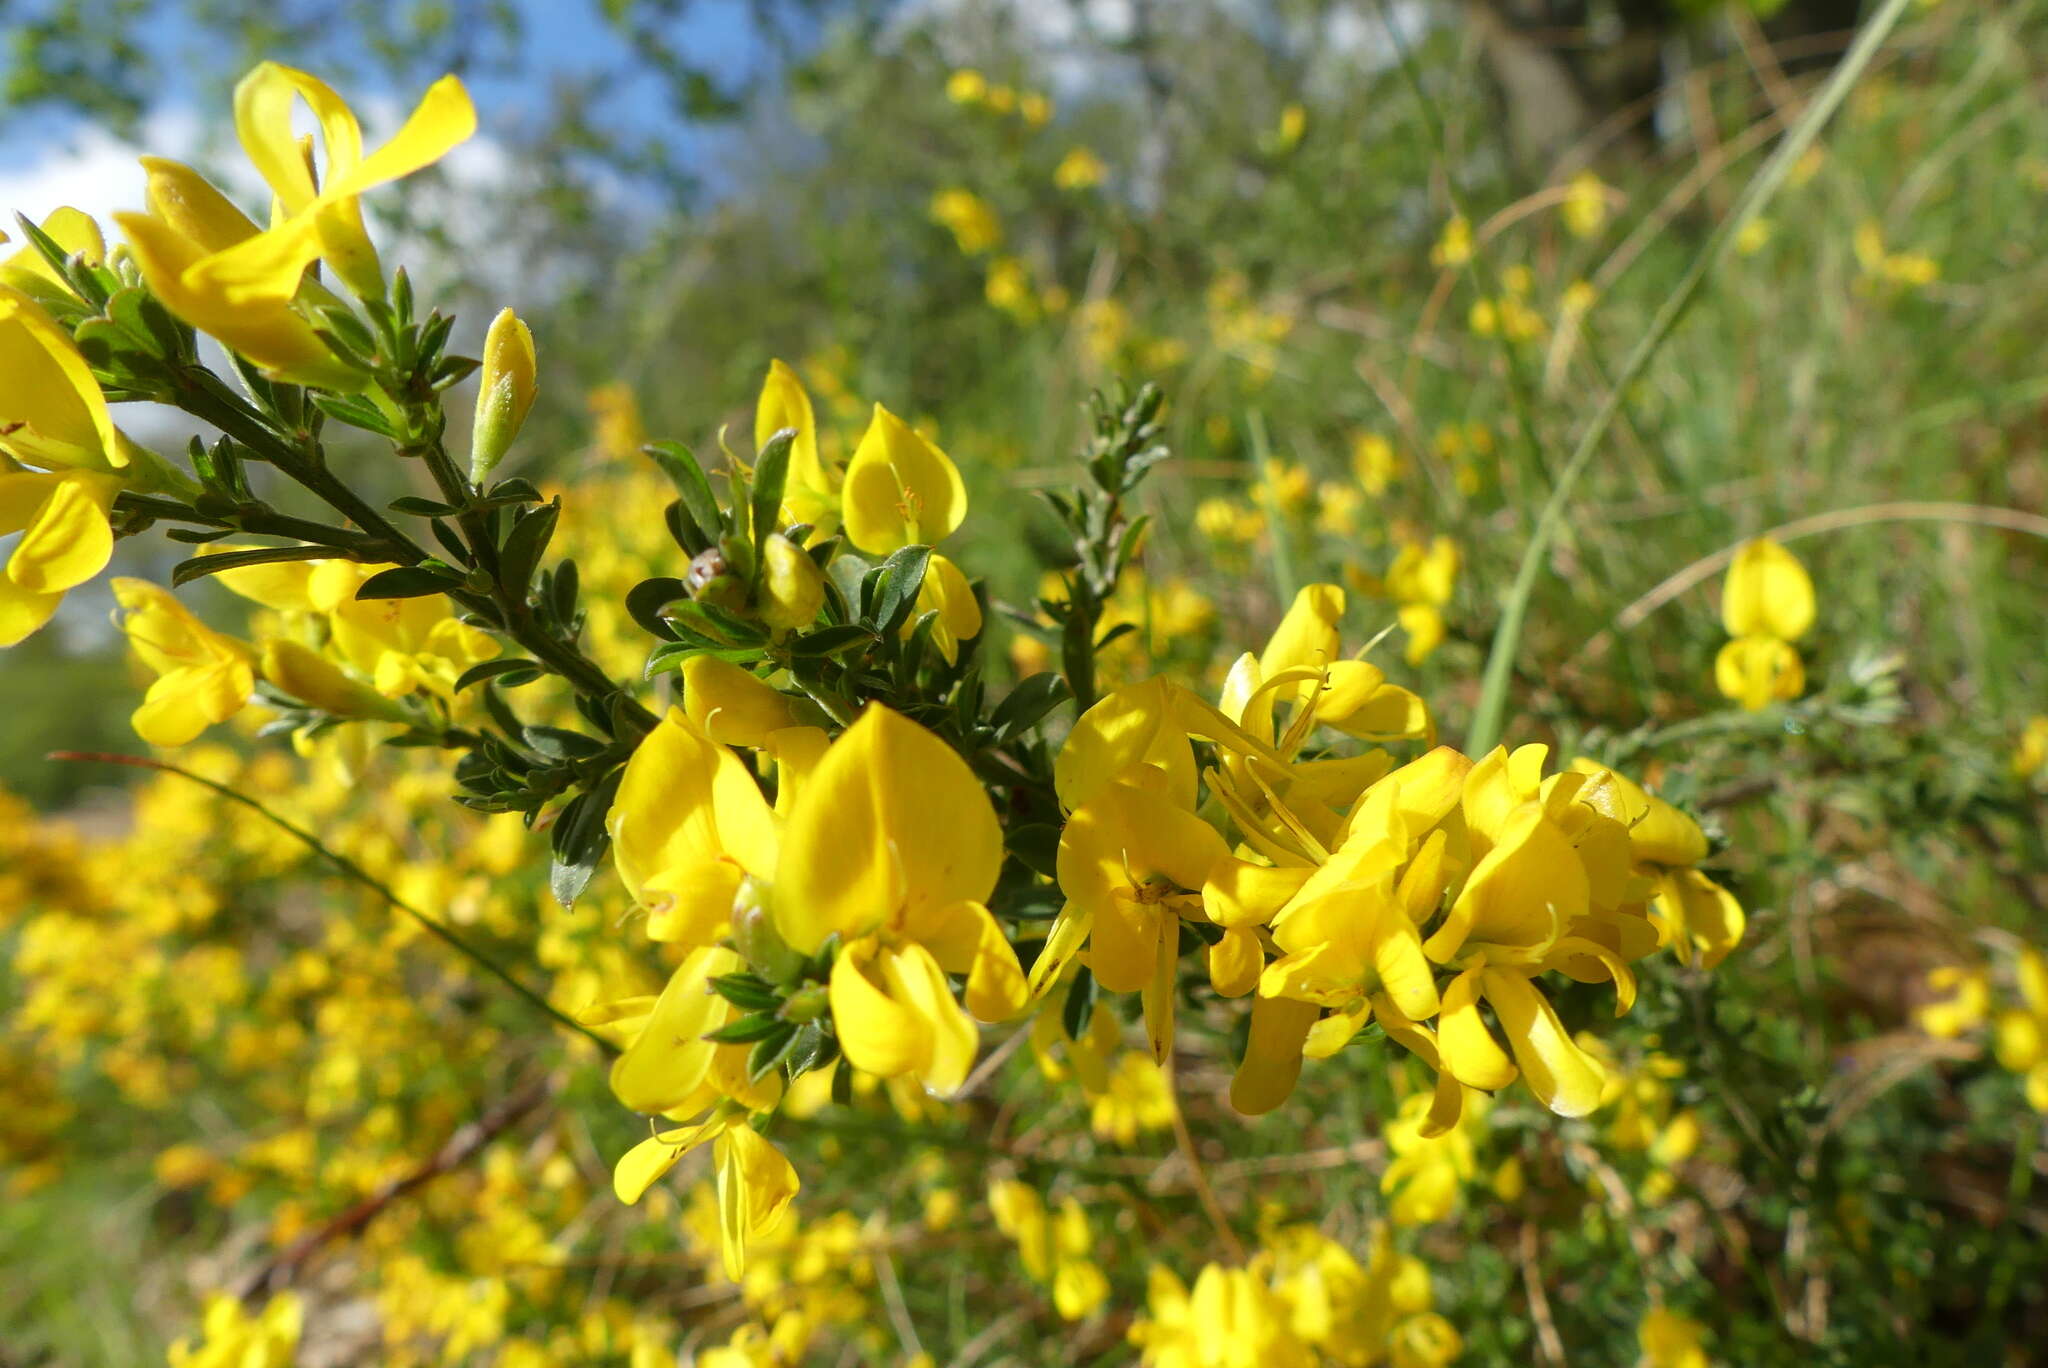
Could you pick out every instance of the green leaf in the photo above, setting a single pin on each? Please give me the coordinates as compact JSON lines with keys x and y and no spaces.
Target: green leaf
{"x":421,"y":508}
{"x":1026,"y":704}
{"x":1036,"y":846}
{"x":501,"y":670}
{"x":408,"y":581}
{"x":896,"y":587}
{"x":748,"y":992}
{"x":758,"y":1026}
{"x":827,"y":641}
{"x":769,"y":1052}
{"x":699,"y":503}
{"x":645,"y":600}
{"x":523,"y":548}
{"x":200,"y":566}
{"x":580,"y":839}
{"x":771,"y":474}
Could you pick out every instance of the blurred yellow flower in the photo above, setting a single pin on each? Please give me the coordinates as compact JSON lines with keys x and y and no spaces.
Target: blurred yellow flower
{"x":1079,"y":170}
{"x":969,"y":219}
{"x":1585,"y":204}
{"x":1767,"y":603}
{"x":1454,"y":247}
{"x":966,"y":86}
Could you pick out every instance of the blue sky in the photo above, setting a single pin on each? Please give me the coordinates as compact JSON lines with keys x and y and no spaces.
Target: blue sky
{"x":47,"y":159}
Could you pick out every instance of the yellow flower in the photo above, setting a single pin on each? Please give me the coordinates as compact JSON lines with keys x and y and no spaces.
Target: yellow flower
{"x":1009,"y":288}
{"x":31,"y":273}
{"x":235,"y":1339}
{"x":1001,"y":98}
{"x":811,"y":494}
{"x":1767,"y":603}
{"x":202,"y":676}
{"x":1034,"y":109}
{"x":1293,"y":123}
{"x":1225,"y":520}
{"x":1080,"y":169}
{"x":1585,"y":204}
{"x":1670,"y":1340}
{"x":189,"y":227}
{"x":902,"y":490}
{"x":1752,"y":237}
{"x":52,"y":412}
{"x":1892,"y":268}
{"x":1454,"y":248}
{"x":1136,"y":1096}
{"x":756,"y":1183}
{"x":1426,"y":1180}
{"x":1132,"y":863}
{"x":1375,"y":462}
{"x":1231,"y":1319}
{"x":324,"y":220}
{"x":2022,"y":1032}
{"x":2030,"y":756}
{"x":1758,"y":671}
{"x":892,"y":844}
{"x":1053,"y":1246}
{"x":1767,"y":593}
{"x":966,"y":86}
{"x":504,"y":392}
{"x":968,"y":218}
{"x":65,"y":540}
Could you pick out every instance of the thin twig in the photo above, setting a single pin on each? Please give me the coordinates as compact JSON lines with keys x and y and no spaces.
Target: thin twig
{"x":460,"y":1148}
{"x":354,"y":871}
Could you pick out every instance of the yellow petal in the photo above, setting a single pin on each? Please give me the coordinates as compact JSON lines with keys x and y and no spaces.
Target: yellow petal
{"x":640,"y":1167}
{"x":1134,"y":725}
{"x":1272,"y":1054}
{"x":52,"y":412}
{"x":1240,"y":893}
{"x":756,"y":1184}
{"x":23,"y":611}
{"x":731,"y":706}
{"x":1563,"y":1076}
{"x":900,"y":489}
{"x":879,"y":1034}
{"x":1069,"y":933}
{"x":1757,"y":671}
{"x":1701,"y":917}
{"x":784,"y":404}
{"x":190,"y":206}
{"x":947,"y":592}
{"x":1767,"y":593}
{"x":1335,"y":1031}
{"x":1467,"y":1049}
{"x":1235,"y":963}
{"x":667,"y":1062}
{"x":892,"y":821}
{"x":66,"y":538}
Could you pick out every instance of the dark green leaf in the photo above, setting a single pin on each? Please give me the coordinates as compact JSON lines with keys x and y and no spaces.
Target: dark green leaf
{"x":758,"y":1026}
{"x":501,"y":670}
{"x":408,"y":581}
{"x":1026,"y":704}
{"x":896,"y":588}
{"x":523,"y":548}
{"x":771,"y":474}
{"x":682,"y":469}
{"x":199,"y":566}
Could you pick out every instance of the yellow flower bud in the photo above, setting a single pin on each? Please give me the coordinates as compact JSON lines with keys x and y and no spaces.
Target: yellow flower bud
{"x":305,"y":674}
{"x":506,"y":394}
{"x":792,"y":587}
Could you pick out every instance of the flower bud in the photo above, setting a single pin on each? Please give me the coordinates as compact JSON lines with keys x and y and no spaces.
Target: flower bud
{"x":296,"y":669}
{"x":792,"y":586}
{"x":759,"y":943}
{"x":506,"y":394}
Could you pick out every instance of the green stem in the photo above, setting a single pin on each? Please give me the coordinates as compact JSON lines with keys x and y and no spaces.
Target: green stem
{"x":1487,"y":716}
{"x":352,"y":870}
